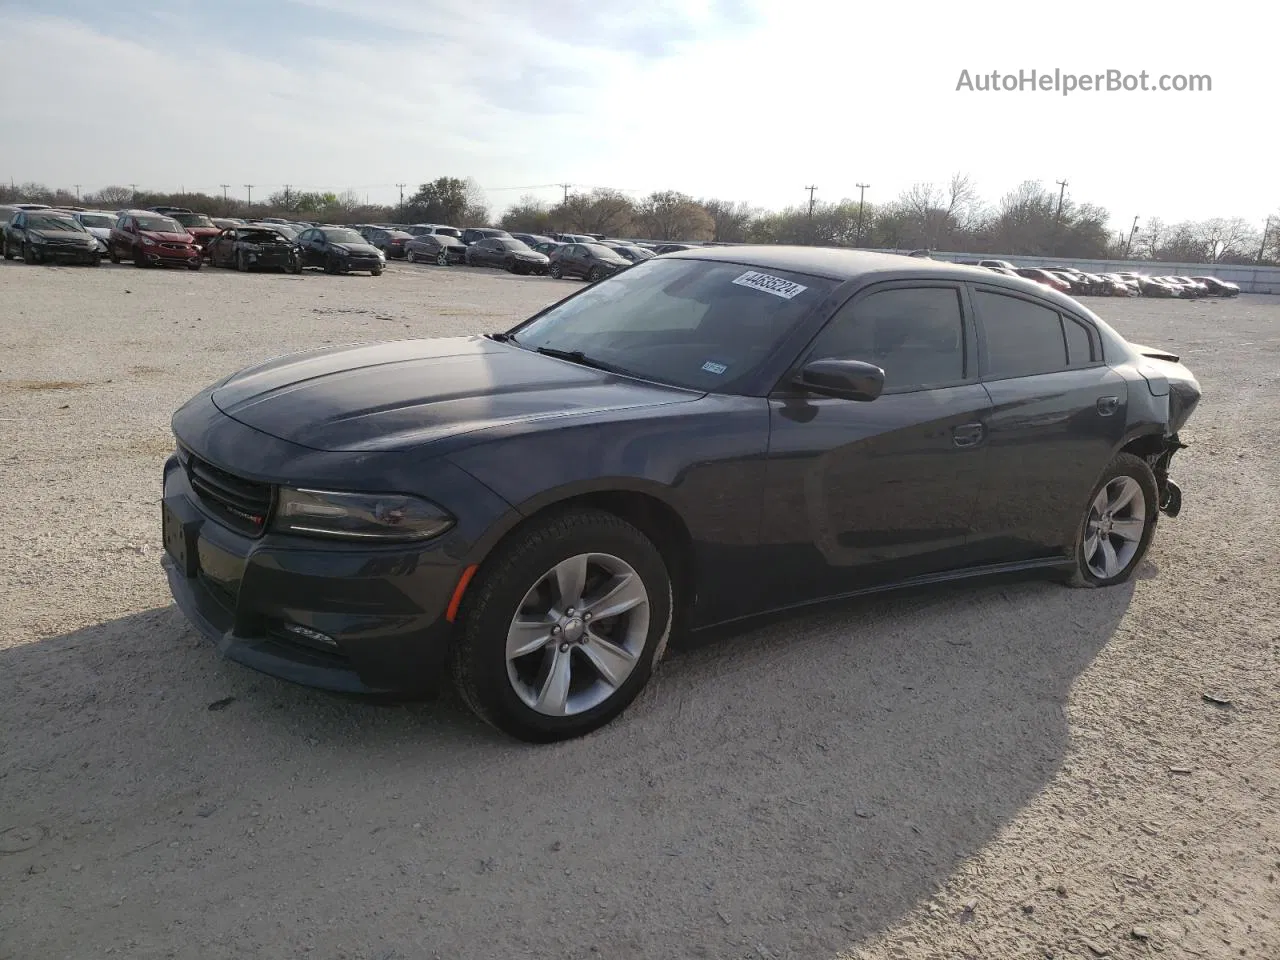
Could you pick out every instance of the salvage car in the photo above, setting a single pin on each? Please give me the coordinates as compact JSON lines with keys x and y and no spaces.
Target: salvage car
{"x":590,"y":261}
{"x":442,"y":249}
{"x":49,"y":236}
{"x":339,"y":250}
{"x":1219,"y":288}
{"x":153,"y":240}
{"x":198,"y":225}
{"x":699,"y":439}
{"x":254,"y":247}
{"x":514,"y":256}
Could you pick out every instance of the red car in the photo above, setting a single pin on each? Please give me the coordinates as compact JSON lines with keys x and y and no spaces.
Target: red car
{"x":152,"y":239}
{"x":198,"y":225}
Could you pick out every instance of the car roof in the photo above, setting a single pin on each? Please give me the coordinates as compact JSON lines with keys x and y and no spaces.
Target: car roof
{"x":833,"y":263}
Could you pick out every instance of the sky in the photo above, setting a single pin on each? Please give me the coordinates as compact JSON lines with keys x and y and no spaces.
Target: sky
{"x":751,"y":100}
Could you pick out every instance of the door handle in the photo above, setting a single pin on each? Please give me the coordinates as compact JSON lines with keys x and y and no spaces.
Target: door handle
{"x":1108,"y":405}
{"x":967,"y":434}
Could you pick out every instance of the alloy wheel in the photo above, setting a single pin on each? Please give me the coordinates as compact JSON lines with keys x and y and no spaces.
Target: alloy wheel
{"x":1113,"y":532}
{"x":442,"y":258}
{"x":411,"y":256}
{"x":578,"y":634}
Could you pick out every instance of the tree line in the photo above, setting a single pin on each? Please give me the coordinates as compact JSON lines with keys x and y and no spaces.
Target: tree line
{"x":1029,"y":220}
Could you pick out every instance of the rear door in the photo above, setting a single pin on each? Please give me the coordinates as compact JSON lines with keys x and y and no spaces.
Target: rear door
{"x":1058,"y":415}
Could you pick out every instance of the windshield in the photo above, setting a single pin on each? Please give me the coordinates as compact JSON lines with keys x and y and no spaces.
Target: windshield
{"x":160,"y":225}
{"x":449,"y":231}
{"x":343,"y":236}
{"x":97,"y":220}
{"x":285,"y":229}
{"x":693,"y":323}
{"x":514,"y":244}
{"x":55,"y":223}
{"x":193,"y":219}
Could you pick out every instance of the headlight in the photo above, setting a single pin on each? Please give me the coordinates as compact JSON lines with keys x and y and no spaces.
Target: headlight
{"x":359,"y":516}
{"x":36,"y":238}
{"x":342,"y":251}
{"x":148,"y":242}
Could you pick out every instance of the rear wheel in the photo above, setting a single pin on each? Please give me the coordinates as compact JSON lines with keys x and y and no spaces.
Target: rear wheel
{"x":411,"y":256}
{"x":556,"y":271}
{"x":563,"y":627}
{"x":1118,"y":524}
{"x":4,"y":248}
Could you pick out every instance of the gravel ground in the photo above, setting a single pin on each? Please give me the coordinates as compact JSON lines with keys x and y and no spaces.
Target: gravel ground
{"x":1000,"y":770}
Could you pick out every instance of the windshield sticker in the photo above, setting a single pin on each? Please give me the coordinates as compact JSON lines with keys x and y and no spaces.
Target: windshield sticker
{"x":775,"y":285}
{"x":712,"y":367}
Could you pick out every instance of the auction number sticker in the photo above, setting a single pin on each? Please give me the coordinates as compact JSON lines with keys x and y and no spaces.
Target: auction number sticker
{"x":770,"y":284}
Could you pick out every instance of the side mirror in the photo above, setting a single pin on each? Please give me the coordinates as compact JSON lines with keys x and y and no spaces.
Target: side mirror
{"x":843,"y":379}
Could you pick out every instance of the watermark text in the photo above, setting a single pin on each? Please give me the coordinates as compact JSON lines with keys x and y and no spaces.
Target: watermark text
{"x":1108,"y":81}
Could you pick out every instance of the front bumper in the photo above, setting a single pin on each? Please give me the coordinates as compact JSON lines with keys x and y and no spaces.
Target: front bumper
{"x":55,"y":253}
{"x":186,"y":254}
{"x":283,"y":258}
{"x":382,"y":608}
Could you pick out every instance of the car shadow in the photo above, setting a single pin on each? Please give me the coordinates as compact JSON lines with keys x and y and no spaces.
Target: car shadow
{"x":792,"y":787}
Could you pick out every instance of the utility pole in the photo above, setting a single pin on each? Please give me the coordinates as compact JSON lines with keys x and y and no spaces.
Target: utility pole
{"x":1061,"y":195}
{"x":1129,"y":242}
{"x":566,"y":187}
{"x":862,"y":193}
{"x":288,"y":195}
{"x":811,"y":189}
{"x":401,"y":186}
{"x":77,"y":191}
{"x":134,"y":198}
{"x":249,"y":187}
{"x":1262,"y":247}
{"x":224,"y":187}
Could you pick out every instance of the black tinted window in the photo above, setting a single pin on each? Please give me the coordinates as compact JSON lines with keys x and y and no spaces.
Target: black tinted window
{"x":915,"y":335}
{"x":1022,"y":338}
{"x":1079,"y":343}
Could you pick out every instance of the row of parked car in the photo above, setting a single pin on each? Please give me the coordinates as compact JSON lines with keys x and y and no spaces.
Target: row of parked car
{"x":1078,"y":283}
{"x":166,"y":235}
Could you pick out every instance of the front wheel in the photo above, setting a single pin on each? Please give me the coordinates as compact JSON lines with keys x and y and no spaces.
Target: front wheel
{"x":594,"y":275}
{"x":1118,"y":524}
{"x":4,"y":249}
{"x":194,"y":266}
{"x":563,"y":626}
{"x":442,"y":258}
{"x":28,"y":254}
{"x":139,"y":260}
{"x":375,"y":272}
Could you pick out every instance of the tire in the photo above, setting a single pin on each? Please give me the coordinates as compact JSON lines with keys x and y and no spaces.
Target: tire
{"x":556,"y":271}
{"x":4,"y":249}
{"x":411,"y":256}
{"x":594,"y":275}
{"x":442,"y":258}
{"x":139,"y":260}
{"x":1090,"y":553}
{"x":112,"y":255}
{"x":242,"y":262}
{"x":331,"y":265}
{"x":95,"y":262}
{"x":195,"y":266}
{"x":295,"y":266}
{"x":376,"y":272}
{"x":28,"y":255}
{"x":506,"y":693}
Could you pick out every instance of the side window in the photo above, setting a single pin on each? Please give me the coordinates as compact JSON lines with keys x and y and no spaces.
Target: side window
{"x":915,"y":334}
{"x":1022,"y":338}
{"x":1080,"y":347}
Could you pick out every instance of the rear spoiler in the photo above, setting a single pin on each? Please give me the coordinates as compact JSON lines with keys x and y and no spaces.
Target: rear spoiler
{"x":1155,"y":354}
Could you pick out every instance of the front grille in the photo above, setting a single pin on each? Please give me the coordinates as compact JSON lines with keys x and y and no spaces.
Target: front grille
{"x":244,"y":504}
{"x":175,"y":246}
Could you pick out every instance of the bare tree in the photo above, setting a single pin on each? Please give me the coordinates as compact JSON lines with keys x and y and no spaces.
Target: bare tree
{"x":1227,"y":238}
{"x":670,"y":215}
{"x":527,"y":215}
{"x":732,"y":221}
{"x":112,"y":197}
{"x":603,"y":210}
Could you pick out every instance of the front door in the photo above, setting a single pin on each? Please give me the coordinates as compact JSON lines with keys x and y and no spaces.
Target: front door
{"x":861,"y":494}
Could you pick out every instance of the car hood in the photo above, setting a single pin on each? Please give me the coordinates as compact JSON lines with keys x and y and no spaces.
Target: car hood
{"x":60,"y":235}
{"x":404,"y":394}
{"x":358,"y":248}
{"x":102,"y":233}
{"x":183,"y":237}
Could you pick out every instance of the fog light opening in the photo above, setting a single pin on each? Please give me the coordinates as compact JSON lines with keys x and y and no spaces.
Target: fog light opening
{"x":315,"y":636}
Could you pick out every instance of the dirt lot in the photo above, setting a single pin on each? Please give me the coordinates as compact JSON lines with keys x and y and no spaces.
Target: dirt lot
{"x":1004,"y":770}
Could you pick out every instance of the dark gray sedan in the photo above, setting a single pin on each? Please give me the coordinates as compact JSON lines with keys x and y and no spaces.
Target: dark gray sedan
{"x":438,"y":248}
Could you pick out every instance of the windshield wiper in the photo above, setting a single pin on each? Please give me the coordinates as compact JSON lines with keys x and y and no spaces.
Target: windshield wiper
{"x":577,"y":356}
{"x":503,"y":337}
